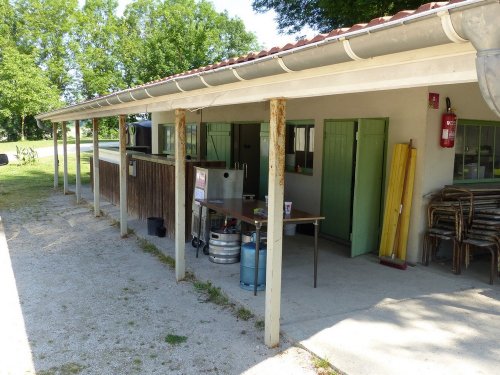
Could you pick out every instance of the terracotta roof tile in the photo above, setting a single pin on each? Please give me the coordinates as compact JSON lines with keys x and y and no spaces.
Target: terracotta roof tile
{"x":287,"y":46}
{"x":337,"y":32}
{"x":263,"y":53}
{"x":241,"y":59}
{"x":302,"y":42}
{"x":377,"y":21}
{"x":274,"y":50}
{"x":402,"y":14}
{"x":318,"y":38}
{"x":357,"y":27}
{"x":251,"y":56}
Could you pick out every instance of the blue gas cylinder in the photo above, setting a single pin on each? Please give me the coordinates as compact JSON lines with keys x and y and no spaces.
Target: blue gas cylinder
{"x":247,"y":266}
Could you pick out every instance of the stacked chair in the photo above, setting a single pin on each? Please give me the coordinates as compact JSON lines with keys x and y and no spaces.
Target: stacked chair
{"x":470,"y":219}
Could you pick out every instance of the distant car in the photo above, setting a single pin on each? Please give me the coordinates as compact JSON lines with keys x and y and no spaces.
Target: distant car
{"x":4,"y":159}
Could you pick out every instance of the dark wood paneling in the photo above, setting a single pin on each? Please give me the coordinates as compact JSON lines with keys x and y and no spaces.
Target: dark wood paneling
{"x":152,"y":191}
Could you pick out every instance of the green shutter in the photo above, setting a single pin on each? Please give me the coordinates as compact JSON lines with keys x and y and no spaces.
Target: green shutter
{"x":219,"y":142}
{"x":337,"y":178}
{"x":367,"y":201}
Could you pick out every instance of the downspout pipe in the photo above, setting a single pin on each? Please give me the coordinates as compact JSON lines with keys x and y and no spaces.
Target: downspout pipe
{"x":479,"y":25}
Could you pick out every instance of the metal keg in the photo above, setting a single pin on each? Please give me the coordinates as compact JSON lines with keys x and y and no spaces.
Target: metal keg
{"x":224,"y":246}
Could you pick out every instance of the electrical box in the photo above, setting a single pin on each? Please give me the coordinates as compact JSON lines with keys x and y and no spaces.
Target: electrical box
{"x":132,"y":168}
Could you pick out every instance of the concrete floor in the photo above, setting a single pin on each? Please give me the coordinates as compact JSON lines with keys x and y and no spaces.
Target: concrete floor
{"x":365,"y":318}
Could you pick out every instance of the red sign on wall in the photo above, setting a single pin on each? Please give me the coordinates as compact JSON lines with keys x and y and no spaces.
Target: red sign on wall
{"x":433,"y":100}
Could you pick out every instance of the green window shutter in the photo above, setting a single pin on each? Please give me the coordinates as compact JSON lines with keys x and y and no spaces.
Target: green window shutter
{"x":219,"y":142}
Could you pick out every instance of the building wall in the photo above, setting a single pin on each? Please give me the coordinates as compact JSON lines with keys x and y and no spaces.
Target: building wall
{"x":409,"y":118}
{"x":467,"y":102}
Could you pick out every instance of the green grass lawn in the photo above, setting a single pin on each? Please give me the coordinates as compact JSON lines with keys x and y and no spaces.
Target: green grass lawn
{"x":23,"y":184}
{"x":10,"y":147}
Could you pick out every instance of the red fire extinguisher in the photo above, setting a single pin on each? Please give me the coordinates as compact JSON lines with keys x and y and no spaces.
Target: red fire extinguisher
{"x":448,"y":126}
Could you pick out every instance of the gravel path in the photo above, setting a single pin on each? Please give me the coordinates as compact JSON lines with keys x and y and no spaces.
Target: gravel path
{"x":94,"y":303}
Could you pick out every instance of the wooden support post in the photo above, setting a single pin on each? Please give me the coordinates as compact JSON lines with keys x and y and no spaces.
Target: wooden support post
{"x":95,"y":142}
{"x":123,"y":176}
{"x":180,"y":193}
{"x":65,"y":157}
{"x":56,"y":156}
{"x":275,"y":221}
{"x":78,"y":169}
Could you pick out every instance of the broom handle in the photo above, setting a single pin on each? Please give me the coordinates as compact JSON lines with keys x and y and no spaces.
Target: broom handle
{"x":405,"y":183}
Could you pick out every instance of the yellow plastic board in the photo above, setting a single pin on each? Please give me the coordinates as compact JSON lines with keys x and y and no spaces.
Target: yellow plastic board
{"x":405,"y":214}
{"x":394,"y":201}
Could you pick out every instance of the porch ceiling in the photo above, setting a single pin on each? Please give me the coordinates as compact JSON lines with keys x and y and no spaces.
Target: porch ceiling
{"x":417,"y":48}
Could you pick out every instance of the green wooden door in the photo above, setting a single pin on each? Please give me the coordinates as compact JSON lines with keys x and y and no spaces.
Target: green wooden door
{"x":368,"y":182}
{"x":264,"y":160}
{"x":219,"y":142}
{"x":337,"y":178}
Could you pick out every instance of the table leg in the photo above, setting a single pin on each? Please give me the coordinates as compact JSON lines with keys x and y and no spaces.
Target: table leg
{"x":257,"y":249}
{"x":199,"y":230}
{"x":316,"y":229}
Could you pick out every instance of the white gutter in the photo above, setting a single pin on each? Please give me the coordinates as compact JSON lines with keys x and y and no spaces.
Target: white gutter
{"x":369,"y":41}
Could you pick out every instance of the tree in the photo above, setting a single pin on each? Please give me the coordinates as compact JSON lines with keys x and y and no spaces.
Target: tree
{"x":326,"y":15}
{"x":161,"y":38}
{"x":24,"y":88}
{"x":43,"y":30}
{"x":6,"y":23}
{"x":54,"y":48}
{"x":95,"y":46}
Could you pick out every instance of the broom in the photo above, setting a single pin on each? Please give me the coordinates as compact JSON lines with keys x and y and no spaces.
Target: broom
{"x":392,"y":261}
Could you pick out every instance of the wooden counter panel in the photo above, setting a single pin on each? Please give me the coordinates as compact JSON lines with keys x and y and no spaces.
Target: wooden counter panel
{"x":152,"y":191}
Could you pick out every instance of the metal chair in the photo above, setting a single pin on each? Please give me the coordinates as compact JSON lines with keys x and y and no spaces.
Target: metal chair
{"x":483,"y":235}
{"x":491,"y":244}
{"x":445,"y":222}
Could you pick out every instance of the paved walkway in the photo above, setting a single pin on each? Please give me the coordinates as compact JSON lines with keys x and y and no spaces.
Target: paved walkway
{"x":78,"y":299}
{"x":363,"y":317}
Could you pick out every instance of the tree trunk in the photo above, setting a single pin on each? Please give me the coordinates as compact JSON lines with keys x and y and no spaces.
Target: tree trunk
{"x":23,"y":138}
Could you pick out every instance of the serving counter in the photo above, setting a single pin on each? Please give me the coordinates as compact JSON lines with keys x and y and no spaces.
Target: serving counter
{"x":150,"y":185}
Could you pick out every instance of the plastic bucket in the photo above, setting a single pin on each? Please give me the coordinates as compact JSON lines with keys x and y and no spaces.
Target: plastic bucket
{"x":247,"y":266}
{"x":154,"y":223}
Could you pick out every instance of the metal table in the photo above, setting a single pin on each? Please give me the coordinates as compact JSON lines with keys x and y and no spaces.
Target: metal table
{"x":244,"y":211}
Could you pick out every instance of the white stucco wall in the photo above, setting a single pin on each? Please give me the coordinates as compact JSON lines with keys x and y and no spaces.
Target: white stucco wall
{"x":467,"y":102}
{"x":409,"y":118}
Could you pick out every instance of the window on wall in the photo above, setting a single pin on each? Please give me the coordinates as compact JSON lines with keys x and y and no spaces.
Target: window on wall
{"x":299,"y":147}
{"x":477,"y":151}
{"x":169,"y":139}
{"x":191,"y":140}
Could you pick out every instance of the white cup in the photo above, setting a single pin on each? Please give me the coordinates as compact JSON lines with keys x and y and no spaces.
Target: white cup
{"x":288,"y":208}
